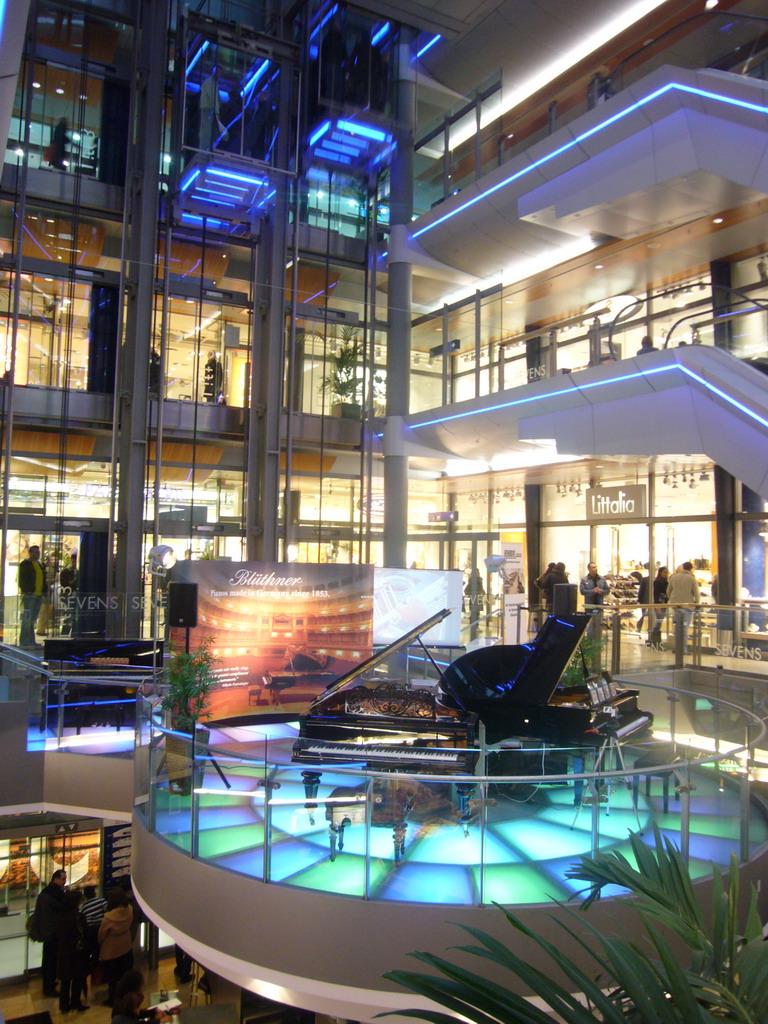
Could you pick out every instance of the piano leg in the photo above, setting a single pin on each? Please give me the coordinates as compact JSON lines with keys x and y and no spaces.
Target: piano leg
{"x":336,"y":835}
{"x":311,"y":782}
{"x":398,"y":835}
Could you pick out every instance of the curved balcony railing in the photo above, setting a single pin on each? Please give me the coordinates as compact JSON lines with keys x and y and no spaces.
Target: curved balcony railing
{"x":236,"y":800}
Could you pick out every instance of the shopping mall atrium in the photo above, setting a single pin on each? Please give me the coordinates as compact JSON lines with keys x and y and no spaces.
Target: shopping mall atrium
{"x":407,"y":300}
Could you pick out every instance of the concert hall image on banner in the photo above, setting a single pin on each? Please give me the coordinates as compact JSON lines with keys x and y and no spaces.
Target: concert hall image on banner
{"x":282,"y":631}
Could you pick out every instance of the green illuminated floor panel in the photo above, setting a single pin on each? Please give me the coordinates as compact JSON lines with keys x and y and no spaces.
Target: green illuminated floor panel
{"x":519,"y":883}
{"x":216,"y":842}
{"x":345,"y":876}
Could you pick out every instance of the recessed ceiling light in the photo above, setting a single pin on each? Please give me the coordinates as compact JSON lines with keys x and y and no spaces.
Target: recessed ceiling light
{"x":598,"y":266}
{"x":59,"y":91}
{"x":717,"y":220}
{"x":36,"y":85}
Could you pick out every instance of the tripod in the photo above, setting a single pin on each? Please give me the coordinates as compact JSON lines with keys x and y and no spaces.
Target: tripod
{"x":610,"y":752}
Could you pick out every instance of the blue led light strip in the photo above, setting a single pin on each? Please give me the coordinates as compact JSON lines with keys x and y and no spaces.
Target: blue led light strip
{"x":329,"y":15}
{"x":380,"y":34}
{"x":601,"y":384}
{"x":539,"y":398}
{"x":254,"y":78}
{"x":236,"y":177}
{"x":198,"y":55}
{"x":705,"y":93}
{"x":186,"y":182}
{"x":364,"y":129}
{"x":428,"y":46}
{"x":319,"y":133}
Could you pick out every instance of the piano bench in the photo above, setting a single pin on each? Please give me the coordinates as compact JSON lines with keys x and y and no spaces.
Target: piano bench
{"x":646,"y":765}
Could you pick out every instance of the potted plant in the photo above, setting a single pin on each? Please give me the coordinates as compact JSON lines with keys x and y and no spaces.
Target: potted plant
{"x":189,"y":678}
{"x":344,"y":381}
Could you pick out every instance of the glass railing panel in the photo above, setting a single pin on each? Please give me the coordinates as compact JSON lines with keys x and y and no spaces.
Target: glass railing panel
{"x":142,"y":757}
{"x":426,"y":840}
{"x":229,"y":805}
{"x":317,"y":829}
{"x":172,"y":784}
{"x":97,"y":716}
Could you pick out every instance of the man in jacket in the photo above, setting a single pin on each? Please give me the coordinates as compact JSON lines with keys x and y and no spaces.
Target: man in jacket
{"x":683,"y":589}
{"x":48,"y":912}
{"x":594,"y":587}
{"x":32,"y":585}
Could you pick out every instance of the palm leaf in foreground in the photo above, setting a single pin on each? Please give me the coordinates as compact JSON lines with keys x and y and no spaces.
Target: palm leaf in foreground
{"x":726,"y":978}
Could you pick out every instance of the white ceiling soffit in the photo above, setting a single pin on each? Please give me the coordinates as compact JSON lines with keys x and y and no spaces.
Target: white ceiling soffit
{"x":13,"y":25}
{"x":676,"y":146}
{"x":694,"y":399}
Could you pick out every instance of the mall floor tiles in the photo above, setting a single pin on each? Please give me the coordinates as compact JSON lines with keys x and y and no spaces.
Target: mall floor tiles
{"x":21,"y":999}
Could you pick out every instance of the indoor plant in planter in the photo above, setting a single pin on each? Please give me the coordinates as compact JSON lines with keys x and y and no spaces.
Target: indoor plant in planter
{"x":189,"y":678}
{"x":344,"y":381}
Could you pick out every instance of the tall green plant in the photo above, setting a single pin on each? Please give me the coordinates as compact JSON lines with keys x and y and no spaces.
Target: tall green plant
{"x":344,"y":380}
{"x":725,"y":979}
{"x":189,"y":678}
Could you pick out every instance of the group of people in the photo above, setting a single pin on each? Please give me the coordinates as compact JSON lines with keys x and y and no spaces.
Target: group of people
{"x":80,"y":932}
{"x":679,"y":589}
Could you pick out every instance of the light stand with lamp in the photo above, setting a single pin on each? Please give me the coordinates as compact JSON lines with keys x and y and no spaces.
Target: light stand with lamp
{"x":161,"y":560}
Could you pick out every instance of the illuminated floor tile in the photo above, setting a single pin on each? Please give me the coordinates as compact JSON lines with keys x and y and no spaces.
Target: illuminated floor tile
{"x":520,"y":883}
{"x":453,"y":847}
{"x":540,"y":840}
{"x":435,"y":883}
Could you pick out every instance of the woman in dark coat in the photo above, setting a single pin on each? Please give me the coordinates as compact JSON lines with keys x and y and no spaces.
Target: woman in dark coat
{"x":72,"y":964}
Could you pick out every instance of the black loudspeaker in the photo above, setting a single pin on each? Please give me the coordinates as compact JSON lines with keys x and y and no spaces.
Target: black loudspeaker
{"x":182,"y":604}
{"x":564,"y":599}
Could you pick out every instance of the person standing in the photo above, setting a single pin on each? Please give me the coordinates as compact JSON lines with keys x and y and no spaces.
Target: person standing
{"x":594,"y":587}
{"x":646,"y":345}
{"x":72,"y":958}
{"x":557,"y":576}
{"x":115,"y":941}
{"x":33,"y":587}
{"x":660,"y":585}
{"x":92,"y":912}
{"x":48,"y":909}
{"x":59,"y":142}
{"x":541,"y":584}
{"x":683,"y":593}
{"x":213,"y":383}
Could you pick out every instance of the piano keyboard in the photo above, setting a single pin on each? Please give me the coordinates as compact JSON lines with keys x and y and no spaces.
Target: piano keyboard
{"x":373,"y":754}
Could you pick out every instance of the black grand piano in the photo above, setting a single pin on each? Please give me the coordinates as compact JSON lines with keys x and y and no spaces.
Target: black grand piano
{"x":371,"y":717}
{"x":515,"y":691}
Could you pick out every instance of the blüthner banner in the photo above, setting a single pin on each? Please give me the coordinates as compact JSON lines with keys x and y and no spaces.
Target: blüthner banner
{"x":282,"y":631}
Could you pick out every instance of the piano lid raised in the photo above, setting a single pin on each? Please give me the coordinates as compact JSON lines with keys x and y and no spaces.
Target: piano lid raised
{"x":378,"y":658}
{"x":518,"y":673}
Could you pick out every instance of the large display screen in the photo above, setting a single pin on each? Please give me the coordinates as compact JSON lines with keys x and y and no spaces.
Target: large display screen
{"x":402,"y":598}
